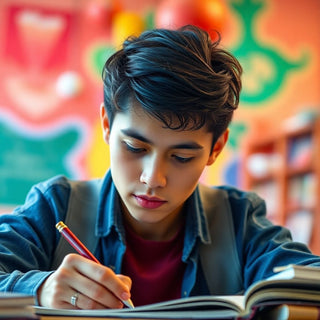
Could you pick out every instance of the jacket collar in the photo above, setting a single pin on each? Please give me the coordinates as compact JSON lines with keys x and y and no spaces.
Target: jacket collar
{"x":196,"y":224}
{"x":109,"y":212}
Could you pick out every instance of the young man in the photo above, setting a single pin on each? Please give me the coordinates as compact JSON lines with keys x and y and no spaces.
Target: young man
{"x":169,"y":97}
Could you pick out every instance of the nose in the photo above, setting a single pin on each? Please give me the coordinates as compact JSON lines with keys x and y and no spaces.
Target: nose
{"x":154,"y":173}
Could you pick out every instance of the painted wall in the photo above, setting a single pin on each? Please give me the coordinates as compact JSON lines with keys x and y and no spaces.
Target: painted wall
{"x":52,"y":53}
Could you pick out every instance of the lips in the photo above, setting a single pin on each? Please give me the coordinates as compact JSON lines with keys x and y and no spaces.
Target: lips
{"x":149,"y":202}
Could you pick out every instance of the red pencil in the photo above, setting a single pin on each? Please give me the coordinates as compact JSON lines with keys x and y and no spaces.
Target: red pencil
{"x":75,"y":242}
{"x":81,"y":249}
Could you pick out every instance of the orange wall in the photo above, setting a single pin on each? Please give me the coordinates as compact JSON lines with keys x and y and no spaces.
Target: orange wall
{"x":45,"y":130}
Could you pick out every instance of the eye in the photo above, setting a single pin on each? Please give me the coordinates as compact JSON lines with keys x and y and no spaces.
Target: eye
{"x":182,"y":159}
{"x":133,"y":149}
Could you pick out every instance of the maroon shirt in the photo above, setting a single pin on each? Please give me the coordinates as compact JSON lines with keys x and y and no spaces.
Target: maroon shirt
{"x":155,"y":268}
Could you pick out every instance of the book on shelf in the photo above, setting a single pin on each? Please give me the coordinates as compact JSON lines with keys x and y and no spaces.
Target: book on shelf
{"x":291,"y":285}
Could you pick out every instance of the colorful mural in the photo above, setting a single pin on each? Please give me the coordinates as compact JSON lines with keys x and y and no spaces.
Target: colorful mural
{"x":278,"y":46}
{"x":266,"y":69}
{"x":52,"y":54}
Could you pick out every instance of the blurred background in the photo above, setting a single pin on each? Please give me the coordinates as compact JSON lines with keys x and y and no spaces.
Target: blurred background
{"x":51,"y":57}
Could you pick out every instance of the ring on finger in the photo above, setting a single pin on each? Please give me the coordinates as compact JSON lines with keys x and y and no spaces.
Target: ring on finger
{"x":74,"y":299}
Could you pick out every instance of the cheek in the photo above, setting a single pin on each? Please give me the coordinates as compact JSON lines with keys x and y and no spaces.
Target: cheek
{"x":189,"y":177}
{"x":122,"y":165}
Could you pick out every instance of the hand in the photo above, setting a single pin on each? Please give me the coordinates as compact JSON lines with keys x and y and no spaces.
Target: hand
{"x":98,"y":287}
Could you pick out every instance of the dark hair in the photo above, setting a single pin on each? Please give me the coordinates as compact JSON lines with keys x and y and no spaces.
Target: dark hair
{"x":180,"y":77}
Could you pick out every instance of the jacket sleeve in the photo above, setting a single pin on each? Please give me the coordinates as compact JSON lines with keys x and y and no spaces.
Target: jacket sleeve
{"x":28,"y":237}
{"x":262,"y":245}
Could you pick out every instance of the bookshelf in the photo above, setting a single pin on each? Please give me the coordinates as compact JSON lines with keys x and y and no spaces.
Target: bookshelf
{"x":284,"y":168}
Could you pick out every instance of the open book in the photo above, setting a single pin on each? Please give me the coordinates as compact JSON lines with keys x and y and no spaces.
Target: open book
{"x":292,"y":285}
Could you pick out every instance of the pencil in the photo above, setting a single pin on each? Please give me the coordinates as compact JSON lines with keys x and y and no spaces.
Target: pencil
{"x":82,"y":250}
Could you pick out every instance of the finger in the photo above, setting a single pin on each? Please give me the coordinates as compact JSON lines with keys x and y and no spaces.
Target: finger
{"x":101,"y":274}
{"x":126,"y":280}
{"x":70,"y":298}
{"x":94,"y":295}
{"x":98,"y":282}
{"x":82,"y":301}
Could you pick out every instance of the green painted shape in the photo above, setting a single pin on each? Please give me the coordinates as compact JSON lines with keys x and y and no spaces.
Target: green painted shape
{"x":26,"y":159}
{"x":279,"y":67}
{"x":237,"y":130}
{"x":150,"y":20}
{"x":99,"y":57}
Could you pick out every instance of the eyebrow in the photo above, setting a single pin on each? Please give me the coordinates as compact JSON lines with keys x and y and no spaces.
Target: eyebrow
{"x":186,"y":145}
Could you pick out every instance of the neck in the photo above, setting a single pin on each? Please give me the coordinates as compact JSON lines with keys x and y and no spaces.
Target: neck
{"x":159,"y":231}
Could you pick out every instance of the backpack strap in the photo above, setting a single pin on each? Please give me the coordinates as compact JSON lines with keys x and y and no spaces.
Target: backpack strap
{"x":81,"y":217}
{"x":219,"y":258}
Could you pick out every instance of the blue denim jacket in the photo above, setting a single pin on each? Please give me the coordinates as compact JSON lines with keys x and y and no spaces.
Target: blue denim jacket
{"x":28,"y":238}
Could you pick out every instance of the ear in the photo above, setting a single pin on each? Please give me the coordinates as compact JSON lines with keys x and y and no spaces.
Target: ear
{"x":104,"y":123}
{"x":218,"y":147}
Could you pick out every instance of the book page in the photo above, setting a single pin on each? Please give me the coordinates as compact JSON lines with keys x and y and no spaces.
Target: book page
{"x":205,"y":307}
